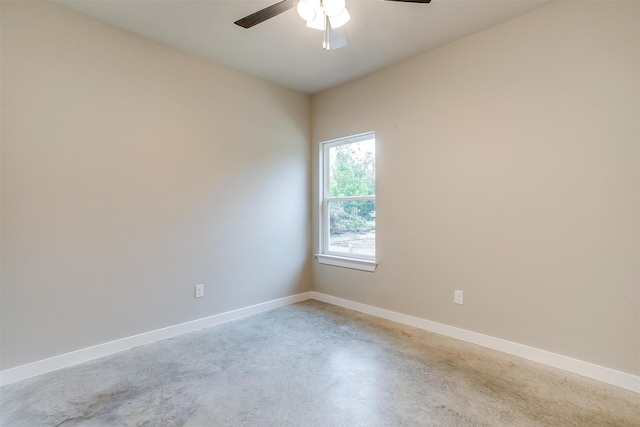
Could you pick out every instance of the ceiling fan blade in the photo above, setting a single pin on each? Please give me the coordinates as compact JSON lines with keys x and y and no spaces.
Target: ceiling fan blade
{"x":336,"y":37}
{"x":413,"y":1}
{"x":266,"y":13}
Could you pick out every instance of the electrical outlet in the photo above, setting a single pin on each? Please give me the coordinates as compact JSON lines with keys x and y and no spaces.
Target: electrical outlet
{"x":199,"y":291}
{"x":458,"y":297}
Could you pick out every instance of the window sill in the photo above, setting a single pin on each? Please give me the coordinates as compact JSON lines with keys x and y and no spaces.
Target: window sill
{"x":353,"y":263}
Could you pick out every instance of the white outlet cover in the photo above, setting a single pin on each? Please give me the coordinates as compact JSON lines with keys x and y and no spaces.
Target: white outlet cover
{"x":199,"y":291}
{"x":458,"y":297}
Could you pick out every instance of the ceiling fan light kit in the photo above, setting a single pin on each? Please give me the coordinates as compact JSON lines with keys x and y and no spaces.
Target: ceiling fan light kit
{"x":324,"y":15}
{"x":315,"y":10}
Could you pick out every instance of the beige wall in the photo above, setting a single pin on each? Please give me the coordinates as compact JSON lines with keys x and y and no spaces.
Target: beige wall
{"x":508,"y":167}
{"x":132,"y":172}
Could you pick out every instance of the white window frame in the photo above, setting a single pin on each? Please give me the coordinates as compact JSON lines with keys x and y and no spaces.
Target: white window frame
{"x":325,"y":256}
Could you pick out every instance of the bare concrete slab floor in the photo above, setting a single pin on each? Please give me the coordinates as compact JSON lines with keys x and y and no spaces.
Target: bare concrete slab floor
{"x":313,"y":364}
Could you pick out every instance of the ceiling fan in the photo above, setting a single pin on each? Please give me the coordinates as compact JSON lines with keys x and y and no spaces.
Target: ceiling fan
{"x":324,"y":15}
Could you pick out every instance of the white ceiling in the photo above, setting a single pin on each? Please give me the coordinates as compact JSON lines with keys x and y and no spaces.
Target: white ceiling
{"x":282,"y":50}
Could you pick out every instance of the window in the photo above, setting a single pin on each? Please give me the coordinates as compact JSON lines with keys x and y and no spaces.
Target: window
{"x":348,"y":208}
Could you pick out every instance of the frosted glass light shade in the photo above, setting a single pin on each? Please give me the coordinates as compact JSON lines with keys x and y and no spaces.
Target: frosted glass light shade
{"x":320,"y":23}
{"x":306,"y":9}
{"x":340,"y":20}
{"x":333,"y":7}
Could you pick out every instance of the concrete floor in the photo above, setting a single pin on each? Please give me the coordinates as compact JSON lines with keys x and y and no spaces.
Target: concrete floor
{"x":313,"y":364}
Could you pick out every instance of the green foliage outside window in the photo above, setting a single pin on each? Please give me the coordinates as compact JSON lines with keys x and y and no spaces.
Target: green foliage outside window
{"x":352,"y":174}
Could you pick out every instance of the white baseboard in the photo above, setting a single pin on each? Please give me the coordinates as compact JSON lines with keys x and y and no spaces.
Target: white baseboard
{"x":586,"y":369}
{"x":29,"y":370}
{"x":590,"y":370}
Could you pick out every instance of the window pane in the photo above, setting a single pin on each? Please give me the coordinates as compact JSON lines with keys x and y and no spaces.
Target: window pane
{"x":352,"y":227}
{"x":352,"y":169}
